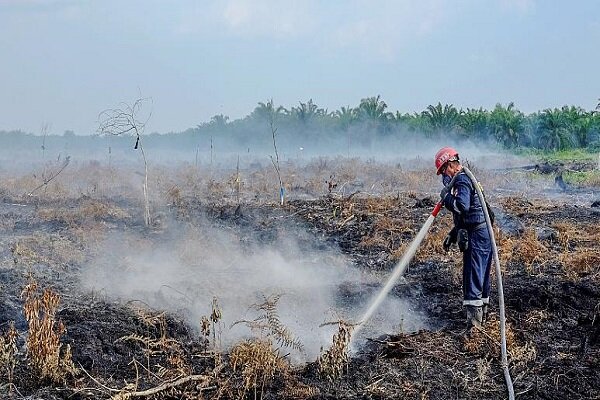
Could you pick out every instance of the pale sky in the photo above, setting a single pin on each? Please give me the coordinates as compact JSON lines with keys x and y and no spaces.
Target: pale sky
{"x":63,"y":61}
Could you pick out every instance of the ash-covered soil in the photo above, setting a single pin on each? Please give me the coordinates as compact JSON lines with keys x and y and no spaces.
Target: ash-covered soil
{"x":125,"y":349}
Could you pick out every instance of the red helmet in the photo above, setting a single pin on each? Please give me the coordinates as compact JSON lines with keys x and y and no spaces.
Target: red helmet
{"x":444,"y":155}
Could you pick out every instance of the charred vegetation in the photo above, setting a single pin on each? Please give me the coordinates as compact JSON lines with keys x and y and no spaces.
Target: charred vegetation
{"x":62,"y":340}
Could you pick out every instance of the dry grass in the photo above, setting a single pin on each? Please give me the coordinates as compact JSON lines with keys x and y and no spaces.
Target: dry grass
{"x":333,"y":361}
{"x":44,"y":349}
{"x":8,"y":352}
{"x":432,"y":246}
{"x":259,"y":364}
{"x":581,"y":262}
{"x":156,"y":343}
{"x":517,"y":204}
{"x":487,"y":339}
{"x":527,"y":250}
{"x":49,"y":249}
{"x":580,"y":254}
{"x":88,"y":211}
{"x":298,"y":390}
{"x":486,"y":342}
{"x":566,"y":232}
{"x":24,"y":255}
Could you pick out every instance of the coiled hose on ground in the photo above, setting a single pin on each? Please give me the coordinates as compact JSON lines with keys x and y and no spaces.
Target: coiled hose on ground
{"x":507,"y":378}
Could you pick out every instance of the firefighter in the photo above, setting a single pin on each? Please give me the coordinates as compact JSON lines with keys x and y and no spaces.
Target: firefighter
{"x":469,"y":232}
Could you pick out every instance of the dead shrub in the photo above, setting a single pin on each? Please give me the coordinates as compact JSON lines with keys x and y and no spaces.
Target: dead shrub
{"x":44,"y":350}
{"x":97,"y":210}
{"x":258,"y":363}
{"x":177,"y":201}
{"x":156,"y":344}
{"x":332,"y":362}
{"x":268,"y":325}
{"x":257,"y":359}
{"x":8,"y":351}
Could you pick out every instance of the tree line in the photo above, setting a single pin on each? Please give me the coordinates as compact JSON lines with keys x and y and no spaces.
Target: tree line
{"x":550,"y":129}
{"x":306,"y":123}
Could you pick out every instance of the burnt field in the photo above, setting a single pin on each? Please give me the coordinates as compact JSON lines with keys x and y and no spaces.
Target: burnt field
{"x":227,"y":294}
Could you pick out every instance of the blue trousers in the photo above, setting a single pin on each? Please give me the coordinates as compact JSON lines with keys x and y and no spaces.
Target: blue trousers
{"x":477,"y":264}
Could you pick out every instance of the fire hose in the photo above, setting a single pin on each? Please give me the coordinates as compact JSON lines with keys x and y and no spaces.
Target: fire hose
{"x":504,"y":358}
{"x":408,"y":255}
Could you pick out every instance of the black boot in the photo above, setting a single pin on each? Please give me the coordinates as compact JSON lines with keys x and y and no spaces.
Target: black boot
{"x":474,"y":316}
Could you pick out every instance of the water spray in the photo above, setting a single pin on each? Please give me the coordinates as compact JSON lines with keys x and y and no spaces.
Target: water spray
{"x":398,"y":270}
{"x":401,"y":266}
{"x":407,"y":257}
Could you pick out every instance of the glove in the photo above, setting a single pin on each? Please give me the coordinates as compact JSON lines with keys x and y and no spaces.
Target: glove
{"x":463,"y":240}
{"x":444,"y":192}
{"x":450,"y":239}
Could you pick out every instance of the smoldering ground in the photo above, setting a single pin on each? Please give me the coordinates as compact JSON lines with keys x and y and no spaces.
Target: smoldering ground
{"x":183,"y":270}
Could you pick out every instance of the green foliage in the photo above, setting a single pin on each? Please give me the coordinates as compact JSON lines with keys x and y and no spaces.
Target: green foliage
{"x":371,"y":112}
{"x":441,"y":119}
{"x":567,"y":155}
{"x":553,"y":130}
{"x":582,"y":178}
{"x":345,"y":116}
{"x":550,"y":130}
{"x":507,"y":124}
{"x":475,"y":123}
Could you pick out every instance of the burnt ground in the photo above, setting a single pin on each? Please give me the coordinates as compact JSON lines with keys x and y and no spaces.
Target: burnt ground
{"x":550,"y":259}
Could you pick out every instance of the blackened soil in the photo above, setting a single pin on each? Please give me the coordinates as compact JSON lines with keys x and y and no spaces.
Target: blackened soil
{"x":553,"y":317}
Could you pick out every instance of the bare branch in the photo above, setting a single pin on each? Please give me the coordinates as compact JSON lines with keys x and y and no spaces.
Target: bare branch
{"x":123,"y":121}
{"x":203,"y":379}
{"x":54,"y":175}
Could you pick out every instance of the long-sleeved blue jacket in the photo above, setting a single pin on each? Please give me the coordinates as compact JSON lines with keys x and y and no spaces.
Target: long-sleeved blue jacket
{"x":463,"y":202}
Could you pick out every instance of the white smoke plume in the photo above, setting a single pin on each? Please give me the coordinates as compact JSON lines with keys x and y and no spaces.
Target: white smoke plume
{"x":183,"y":273}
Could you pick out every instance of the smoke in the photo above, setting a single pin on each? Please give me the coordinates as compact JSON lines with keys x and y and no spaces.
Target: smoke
{"x":182,"y":272}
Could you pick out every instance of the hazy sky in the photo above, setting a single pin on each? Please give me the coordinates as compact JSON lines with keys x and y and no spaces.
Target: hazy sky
{"x":62,"y":61}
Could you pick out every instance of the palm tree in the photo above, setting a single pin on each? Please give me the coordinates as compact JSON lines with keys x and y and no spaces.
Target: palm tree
{"x":266,"y":111}
{"x":578,"y":122}
{"x":219,"y":121}
{"x":371,"y":110}
{"x":441,"y":118}
{"x":475,"y":123}
{"x":553,"y":132}
{"x":306,"y":112}
{"x":582,"y":130}
{"x":345,"y":117}
{"x":507,"y":124}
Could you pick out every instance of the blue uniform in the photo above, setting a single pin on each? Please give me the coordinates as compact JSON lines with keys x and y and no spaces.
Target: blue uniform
{"x":467,"y":211}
